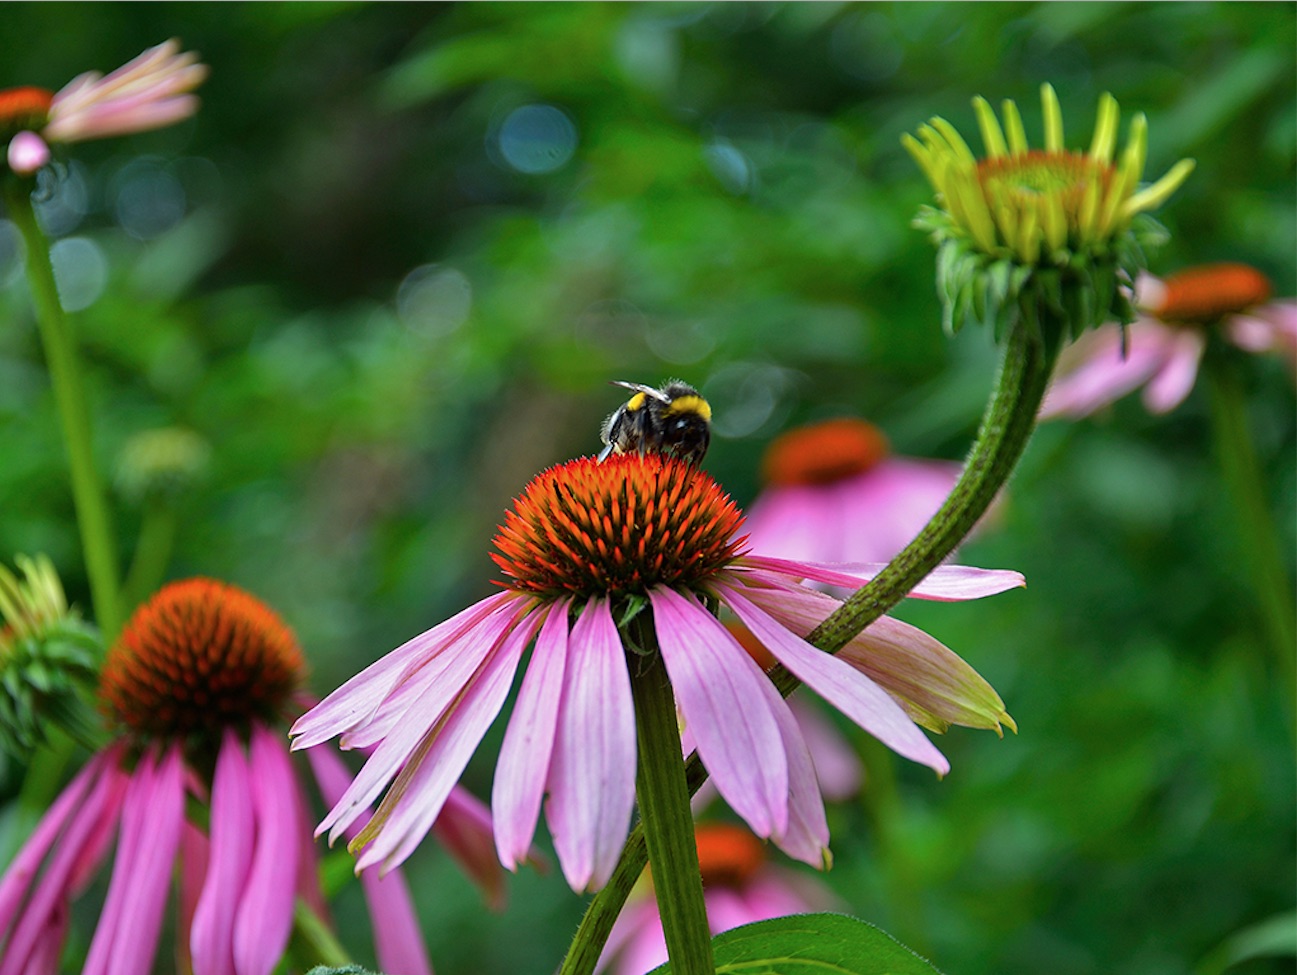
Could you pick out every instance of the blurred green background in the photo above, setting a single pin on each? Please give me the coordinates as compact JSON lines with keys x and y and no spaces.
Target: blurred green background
{"x":389,"y":268}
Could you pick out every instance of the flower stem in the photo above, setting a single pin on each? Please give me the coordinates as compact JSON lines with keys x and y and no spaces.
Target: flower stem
{"x":1006,"y":427}
{"x":668,"y":822}
{"x":312,"y":942}
{"x":152,"y":553}
{"x":60,"y":345}
{"x":1257,"y":544}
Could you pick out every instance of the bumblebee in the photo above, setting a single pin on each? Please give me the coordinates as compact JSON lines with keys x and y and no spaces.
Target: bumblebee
{"x":672,"y":420}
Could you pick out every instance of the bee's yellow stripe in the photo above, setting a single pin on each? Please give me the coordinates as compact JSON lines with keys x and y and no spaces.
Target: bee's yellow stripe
{"x":688,"y":404}
{"x":636,"y":402}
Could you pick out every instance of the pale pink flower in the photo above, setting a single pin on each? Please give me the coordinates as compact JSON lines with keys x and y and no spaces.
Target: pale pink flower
{"x":739,"y":887}
{"x":586,"y":544}
{"x":835,"y":493}
{"x":198,"y":679}
{"x":1161,"y":350}
{"x":152,"y":91}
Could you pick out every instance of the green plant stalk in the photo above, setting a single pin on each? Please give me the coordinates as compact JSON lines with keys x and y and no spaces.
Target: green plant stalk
{"x":1006,"y":427}
{"x":59,"y":341}
{"x":152,"y":553}
{"x":1241,"y":472}
{"x":668,"y":822}
{"x":312,"y":943}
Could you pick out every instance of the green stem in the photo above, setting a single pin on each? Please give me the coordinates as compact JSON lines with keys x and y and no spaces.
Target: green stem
{"x":152,"y":553}
{"x":668,"y":822}
{"x":60,"y":345}
{"x":882,"y":801}
{"x":1258,"y":547}
{"x":312,"y":942}
{"x":1006,"y":427}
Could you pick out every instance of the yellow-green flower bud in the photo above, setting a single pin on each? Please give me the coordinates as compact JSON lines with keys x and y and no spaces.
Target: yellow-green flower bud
{"x":161,"y":464}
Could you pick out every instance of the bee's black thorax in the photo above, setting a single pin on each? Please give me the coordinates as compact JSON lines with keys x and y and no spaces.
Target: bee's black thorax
{"x":673,"y":420}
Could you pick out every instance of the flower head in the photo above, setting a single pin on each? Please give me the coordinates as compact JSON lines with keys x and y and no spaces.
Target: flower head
{"x":1023,"y":229}
{"x":835,"y":493}
{"x":161,"y":464}
{"x":739,"y":887}
{"x":47,"y":658}
{"x":1161,"y":350}
{"x":586,"y":545}
{"x":152,"y":91}
{"x":196,"y":684}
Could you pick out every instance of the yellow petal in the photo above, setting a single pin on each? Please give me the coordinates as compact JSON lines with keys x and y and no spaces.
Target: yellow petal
{"x":1053,"y":118}
{"x":1105,"y":129}
{"x":992,"y":137}
{"x":1013,"y":126}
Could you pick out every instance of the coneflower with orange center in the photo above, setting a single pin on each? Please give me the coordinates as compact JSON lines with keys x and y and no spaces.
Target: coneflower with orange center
{"x":1161,"y":351}
{"x":151,"y":91}
{"x":740,"y":887}
{"x":586,"y":547}
{"x":196,"y":685}
{"x":834,"y":492}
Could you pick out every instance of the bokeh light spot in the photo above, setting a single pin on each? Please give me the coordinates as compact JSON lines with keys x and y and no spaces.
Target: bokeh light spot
{"x":149,"y":200}
{"x":434,"y":299}
{"x":537,"y":139}
{"x":80,"y":271}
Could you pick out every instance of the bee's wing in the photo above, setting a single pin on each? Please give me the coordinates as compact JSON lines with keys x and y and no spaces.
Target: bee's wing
{"x":657,"y":394}
{"x":605,"y":453}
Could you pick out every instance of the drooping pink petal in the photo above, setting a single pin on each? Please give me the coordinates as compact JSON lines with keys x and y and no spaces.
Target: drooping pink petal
{"x":194,"y":850}
{"x":806,"y":838}
{"x":424,"y":713}
{"x":398,"y":941}
{"x":720,"y":691}
{"x":592,"y":768}
{"x":211,"y":938}
{"x":357,"y":699}
{"x":798,"y":522}
{"x":265,"y":911}
{"x":945,"y":583}
{"x":148,"y":92}
{"x":522,"y":770}
{"x":464,"y":828}
{"x":126,"y":938}
{"x":1096,"y":372}
{"x":846,"y":688}
{"x":97,"y":797}
{"x":886,"y":506}
{"x":1168,"y":389}
{"x":27,"y":153}
{"x":440,"y":757}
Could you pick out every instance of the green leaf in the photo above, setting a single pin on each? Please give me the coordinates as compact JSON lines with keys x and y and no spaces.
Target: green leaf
{"x":812,"y":944}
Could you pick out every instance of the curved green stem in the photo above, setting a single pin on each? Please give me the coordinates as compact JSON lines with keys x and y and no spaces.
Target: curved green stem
{"x":1258,"y":547}
{"x":1006,"y":427}
{"x":97,"y":540}
{"x":152,"y":553}
{"x":312,"y":943}
{"x":668,"y":822}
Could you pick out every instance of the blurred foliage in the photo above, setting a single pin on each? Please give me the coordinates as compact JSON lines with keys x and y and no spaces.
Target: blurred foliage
{"x":388,"y":269}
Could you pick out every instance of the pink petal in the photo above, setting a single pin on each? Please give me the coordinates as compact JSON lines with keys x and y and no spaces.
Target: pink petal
{"x":1095,"y":373}
{"x":211,"y":937}
{"x":398,"y":941}
{"x":520,"y":773}
{"x":153,"y":815}
{"x":592,"y":768}
{"x":441,"y":755}
{"x":97,"y":794}
{"x":720,"y":691}
{"x":265,"y":911}
{"x":850,"y":691}
{"x":945,"y":583}
{"x":194,"y":851}
{"x":888,"y":505}
{"x":357,"y":699}
{"x":797,"y":522}
{"x":464,"y":828}
{"x":806,"y":837}
{"x":464,"y":659}
{"x":1175,"y":379}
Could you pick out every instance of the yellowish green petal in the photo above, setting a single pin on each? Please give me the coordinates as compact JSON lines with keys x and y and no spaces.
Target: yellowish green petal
{"x":1053,"y":118}
{"x":1017,"y":136}
{"x":955,"y":141}
{"x":1154,"y":196}
{"x":992,"y":137}
{"x":1105,"y":129}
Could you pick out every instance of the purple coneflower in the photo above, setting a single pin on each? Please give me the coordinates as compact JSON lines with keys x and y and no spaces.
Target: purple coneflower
{"x":739,"y":887}
{"x":835,"y":493}
{"x":588,"y":545}
{"x":152,"y":91}
{"x":1162,"y":349}
{"x":196,"y":684}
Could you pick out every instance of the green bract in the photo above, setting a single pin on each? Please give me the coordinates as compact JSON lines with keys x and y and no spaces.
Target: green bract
{"x":1048,"y":234}
{"x":47,"y":659}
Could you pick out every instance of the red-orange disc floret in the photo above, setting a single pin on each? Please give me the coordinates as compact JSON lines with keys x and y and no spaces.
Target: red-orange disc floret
{"x":621,"y":526}
{"x":1212,"y":291}
{"x":199,"y":656}
{"x":824,"y":452}
{"x":728,"y":855}
{"x":24,"y":108}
